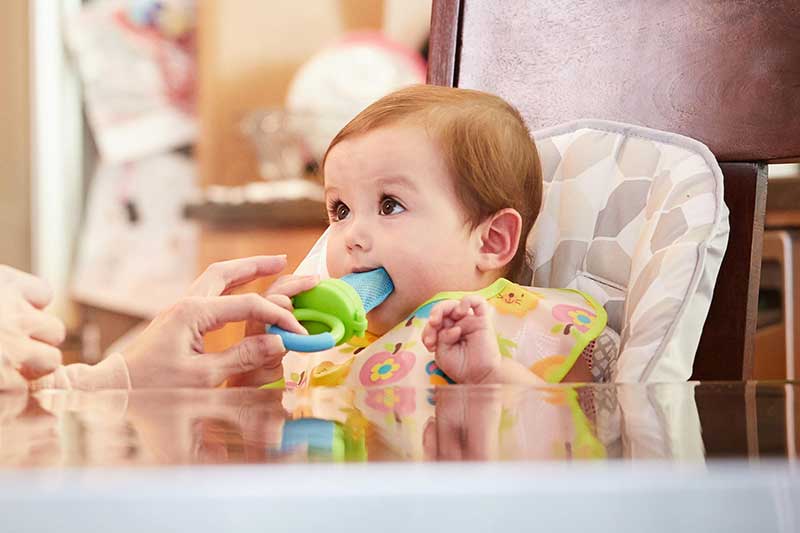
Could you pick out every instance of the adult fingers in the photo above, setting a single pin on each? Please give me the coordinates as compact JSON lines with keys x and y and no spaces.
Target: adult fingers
{"x":14,"y":395}
{"x":292,"y":285}
{"x":221,"y":277}
{"x":261,"y":420}
{"x":252,"y":353}
{"x":33,"y":289}
{"x":10,"y":380}
{"x":33,"y":359}
{"x":208,"y":314}
{"x":259,"y":416}
{"x":255,"y":327}
{"x":256,"y":378}
{"x":281,"y":301}
{"x":46,"y":328}
{"x":210,"y":441}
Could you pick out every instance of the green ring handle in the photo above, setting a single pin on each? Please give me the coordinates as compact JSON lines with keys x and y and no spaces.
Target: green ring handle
{"x":311,"y":343}
{"x":335,"y":325}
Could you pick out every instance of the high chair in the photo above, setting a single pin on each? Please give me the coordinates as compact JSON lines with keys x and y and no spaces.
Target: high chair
{"x":721,"y":73}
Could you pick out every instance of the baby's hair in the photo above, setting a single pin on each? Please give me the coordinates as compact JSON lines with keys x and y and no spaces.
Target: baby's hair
{"x":484,"y":141}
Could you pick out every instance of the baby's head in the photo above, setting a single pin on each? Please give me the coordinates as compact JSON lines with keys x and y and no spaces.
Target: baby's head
{"x":438,"y":186}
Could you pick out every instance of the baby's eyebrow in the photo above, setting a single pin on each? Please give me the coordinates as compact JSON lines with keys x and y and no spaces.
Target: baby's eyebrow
{"x":396,"y":180}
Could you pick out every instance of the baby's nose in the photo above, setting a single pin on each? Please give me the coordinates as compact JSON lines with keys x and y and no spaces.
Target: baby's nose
{"x":359,"y":236}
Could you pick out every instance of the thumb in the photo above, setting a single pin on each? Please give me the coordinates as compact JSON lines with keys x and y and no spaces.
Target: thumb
{"x":254,"y":352}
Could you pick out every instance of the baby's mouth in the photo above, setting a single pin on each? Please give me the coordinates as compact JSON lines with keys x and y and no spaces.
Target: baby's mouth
{"x":359,"y":270}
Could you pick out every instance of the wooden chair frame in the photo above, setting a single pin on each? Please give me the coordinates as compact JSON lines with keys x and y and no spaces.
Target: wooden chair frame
{"x":727,"y":76}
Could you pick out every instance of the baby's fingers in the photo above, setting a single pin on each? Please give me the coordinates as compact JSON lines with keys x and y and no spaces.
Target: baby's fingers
{"x":471,"y":324}
{"x":450,"y":336}
{"x":473,"y":304}
{"x":440,"y":311}
{"x":429,"y":337}
{"x":467,"y":306}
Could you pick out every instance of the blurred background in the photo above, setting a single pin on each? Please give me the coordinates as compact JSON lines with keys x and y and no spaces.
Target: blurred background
{"x":142,"y":140}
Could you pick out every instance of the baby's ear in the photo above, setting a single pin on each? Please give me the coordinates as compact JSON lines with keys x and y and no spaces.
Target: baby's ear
{"x":500,"y":234}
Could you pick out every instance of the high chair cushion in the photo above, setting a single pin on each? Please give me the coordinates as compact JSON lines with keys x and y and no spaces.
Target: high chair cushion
{"x":635,"y":218}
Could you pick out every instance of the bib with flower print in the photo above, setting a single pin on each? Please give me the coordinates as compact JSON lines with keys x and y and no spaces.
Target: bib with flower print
{"x":544,"y":329}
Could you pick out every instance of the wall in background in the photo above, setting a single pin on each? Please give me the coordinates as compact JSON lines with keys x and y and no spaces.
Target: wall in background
{"x":15,"y":182}
{"x":249,"y":50}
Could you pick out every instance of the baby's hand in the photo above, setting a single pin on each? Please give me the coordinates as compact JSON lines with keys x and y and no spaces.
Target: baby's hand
{"x":463,"y":339}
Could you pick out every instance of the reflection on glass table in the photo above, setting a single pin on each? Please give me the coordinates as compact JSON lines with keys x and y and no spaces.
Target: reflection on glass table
{"x":705,"y":457}
{"x":678,"y":423}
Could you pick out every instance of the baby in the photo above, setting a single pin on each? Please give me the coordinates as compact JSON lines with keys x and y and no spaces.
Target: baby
{"x":439,"y":186}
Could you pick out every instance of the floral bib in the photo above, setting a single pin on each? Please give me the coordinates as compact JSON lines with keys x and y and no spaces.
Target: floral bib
{"x":544,"y":329}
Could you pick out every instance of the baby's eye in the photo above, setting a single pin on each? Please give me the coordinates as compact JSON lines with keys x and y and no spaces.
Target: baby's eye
{"x":338,"y":211}
{"x":390,"y":206}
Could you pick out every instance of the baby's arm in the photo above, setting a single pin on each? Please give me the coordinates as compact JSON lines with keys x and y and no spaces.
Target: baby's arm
{"x":462,"y":336}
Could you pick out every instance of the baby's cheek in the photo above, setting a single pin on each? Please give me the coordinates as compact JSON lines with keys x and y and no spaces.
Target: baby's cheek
{"x":416,"y":274}
{"x":334,"y":262}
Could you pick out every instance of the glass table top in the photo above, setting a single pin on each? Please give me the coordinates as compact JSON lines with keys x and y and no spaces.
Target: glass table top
{"x":677,"y":423}
{"x":679,"y":457}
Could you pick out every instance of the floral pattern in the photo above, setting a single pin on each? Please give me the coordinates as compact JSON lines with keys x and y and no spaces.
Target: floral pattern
{"x":385,"y":368}
{"x":399,"y":400}
{"x":572,"y":316}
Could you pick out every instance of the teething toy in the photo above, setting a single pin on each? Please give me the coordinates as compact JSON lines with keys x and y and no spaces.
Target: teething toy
{"x":336,"y":310}
{"x":324,"y":439}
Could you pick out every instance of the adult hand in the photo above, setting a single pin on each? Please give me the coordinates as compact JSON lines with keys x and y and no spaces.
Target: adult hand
{"x":200,"y":426}
{"x":28,"y":335}
{"x":170,"y":353}
{"x":283,"y":289}
{"x":29,"y":433}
